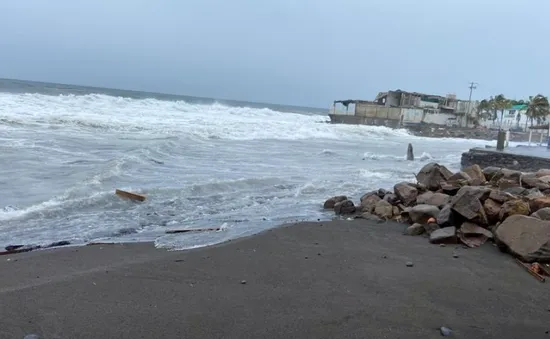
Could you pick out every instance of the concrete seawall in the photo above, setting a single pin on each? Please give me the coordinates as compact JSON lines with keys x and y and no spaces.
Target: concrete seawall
{"x":486,"y":157}
{"x":360,"y":120}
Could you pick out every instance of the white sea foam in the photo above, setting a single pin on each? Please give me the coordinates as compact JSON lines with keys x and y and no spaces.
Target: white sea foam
{"x":215,"y":121}
{"x":247,"y":169}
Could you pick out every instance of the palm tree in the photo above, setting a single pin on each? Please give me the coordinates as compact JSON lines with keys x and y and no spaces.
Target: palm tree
{"x":484,"y":108}
{"x":538,"y":108}
{"x":500,"y":103}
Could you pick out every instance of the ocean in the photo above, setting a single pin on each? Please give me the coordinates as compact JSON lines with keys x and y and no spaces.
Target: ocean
{"x":244,"y":167}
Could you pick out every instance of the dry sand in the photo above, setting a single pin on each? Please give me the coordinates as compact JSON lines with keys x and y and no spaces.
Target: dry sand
{"x":341,"y":279}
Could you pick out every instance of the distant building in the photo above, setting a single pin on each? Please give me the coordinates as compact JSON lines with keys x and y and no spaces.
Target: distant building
{"x":401,"y":108}
{"x":514,"y":118}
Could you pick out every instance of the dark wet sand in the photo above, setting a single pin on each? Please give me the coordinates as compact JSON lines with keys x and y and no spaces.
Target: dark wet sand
{"x":338,"y":279}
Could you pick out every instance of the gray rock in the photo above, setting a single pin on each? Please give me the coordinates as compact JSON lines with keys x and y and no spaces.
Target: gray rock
{"x":468,"y":203}
{"x":369,"y":216}
{"x":344,"y":207}
{"x":476,"y":175}
{"x":409,"y":264}
{"x":383,"y":209}
{"x":406,"y":193}
{"x":435,"y":199}
{"x":501,"y":196}
{"x":329,"y":204}
{"x":369,"y":203}
{"x":444,"y":235}
{"x":415,"y":229}
{"x":432,"y":175}
{"x":543,"y":214}
{"x":421,"y":213}
{"x":490,"y":172}
{"x":430,"y":227}
{"x":525,"y":237}
{"x":447,"y":217}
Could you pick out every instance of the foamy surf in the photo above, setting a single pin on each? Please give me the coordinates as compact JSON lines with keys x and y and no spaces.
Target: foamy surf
{"x":244,"y":168}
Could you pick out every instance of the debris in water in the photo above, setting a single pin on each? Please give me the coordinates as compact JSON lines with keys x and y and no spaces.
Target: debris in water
{"x":409,"y":264}
{"x":193,"y":230}
{"x":130,"y":195}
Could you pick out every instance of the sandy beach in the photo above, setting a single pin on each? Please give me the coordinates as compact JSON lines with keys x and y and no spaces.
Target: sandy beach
{"x":339,"y":279}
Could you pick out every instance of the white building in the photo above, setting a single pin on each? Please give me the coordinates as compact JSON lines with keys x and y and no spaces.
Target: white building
{"x":514,"y":118}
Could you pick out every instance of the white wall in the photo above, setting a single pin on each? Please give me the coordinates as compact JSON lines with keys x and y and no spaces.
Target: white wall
{"x":414,"y":116}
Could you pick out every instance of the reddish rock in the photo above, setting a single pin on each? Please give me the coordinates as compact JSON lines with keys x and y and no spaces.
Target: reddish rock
{"x":476,"y":175}
{"x":525,"y":237}
{"x":492,"y":210}
{"x":406,"y":193}
{"x":538,"y":203}
{"x":329,"y":204}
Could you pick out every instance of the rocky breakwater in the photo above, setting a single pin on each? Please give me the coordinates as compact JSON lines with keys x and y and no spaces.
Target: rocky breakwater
{"x":471,"y":207}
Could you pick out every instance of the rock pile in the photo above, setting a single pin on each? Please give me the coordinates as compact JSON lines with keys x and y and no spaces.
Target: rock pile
{"x":470,"y":206}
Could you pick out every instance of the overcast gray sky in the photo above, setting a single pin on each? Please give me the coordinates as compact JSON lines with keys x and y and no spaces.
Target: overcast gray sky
{"x":304,"y":52}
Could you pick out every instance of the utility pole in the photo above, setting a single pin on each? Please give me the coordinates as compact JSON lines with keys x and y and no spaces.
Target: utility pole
{"x":473,"y":85}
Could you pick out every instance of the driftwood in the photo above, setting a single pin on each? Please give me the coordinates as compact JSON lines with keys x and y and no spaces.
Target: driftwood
{"x":193,"y":230}
{"x":130,"y":195}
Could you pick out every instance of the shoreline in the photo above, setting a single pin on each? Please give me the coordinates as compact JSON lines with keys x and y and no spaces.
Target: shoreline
{"x":327,"y":279}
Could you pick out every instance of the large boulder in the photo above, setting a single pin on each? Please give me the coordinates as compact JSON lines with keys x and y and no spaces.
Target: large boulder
{"x":468,"y":202}
{"x":543,"y":214}
{"x":344,"y":207}
{"x":369,"y":194}
{"x":538,"y":203}
{"x":369,"y":203}
{"x":329,"y":204}
{"x":492,"y":210}
{"x":383,"y":209}
{"x":421,"y":213}
{"x":447,"y":217}
{"x":476,"y":175}
{"x":432,"y":175}
{"x":513,"y":207}
{"x":543,"y":172}
{"x":391,"y":198}
{"x":406,"y":193}
{"x":534,"y":182}
{"x":434,"y":199}
{"x":525,"y":237}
